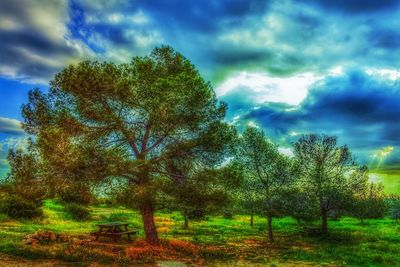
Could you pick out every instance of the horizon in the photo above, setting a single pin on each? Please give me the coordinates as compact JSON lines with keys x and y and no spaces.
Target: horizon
{"x":288,"y":67}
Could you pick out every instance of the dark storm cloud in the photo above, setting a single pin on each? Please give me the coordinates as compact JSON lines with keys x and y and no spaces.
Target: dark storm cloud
{"x":240,"y":56}
{"x":21,"y":51}
{"x":362,"y":110}
{"x":204,"y":16}
{"x":385,"y":38}
{"x":357,"y":97}
{"x":191,"y":27}
{"x":357,"y":6}
{"x":220,"y":37}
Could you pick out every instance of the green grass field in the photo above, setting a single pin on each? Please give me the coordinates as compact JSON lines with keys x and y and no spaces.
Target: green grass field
{"x":390,"y":181}
{"x":221,"y":242}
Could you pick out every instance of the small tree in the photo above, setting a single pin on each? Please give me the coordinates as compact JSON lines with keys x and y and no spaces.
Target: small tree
{"x":302,"y":206}
{"x":326,"y":174}
{"x":267,"y":174}
{"x":26,"y":175}
{"x":198,"y":188}
{"x":393,"y":202}
{"x":369,"y":203}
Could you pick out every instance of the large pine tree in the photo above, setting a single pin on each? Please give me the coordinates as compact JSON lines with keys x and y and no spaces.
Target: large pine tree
{"x":147,"y":113}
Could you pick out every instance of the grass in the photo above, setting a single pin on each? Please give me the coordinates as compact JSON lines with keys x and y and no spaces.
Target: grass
{"x":390,"y":180}
{"x":220,"y":241}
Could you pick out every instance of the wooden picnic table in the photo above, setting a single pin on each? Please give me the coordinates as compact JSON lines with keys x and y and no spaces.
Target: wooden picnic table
{"x":113,"y":230}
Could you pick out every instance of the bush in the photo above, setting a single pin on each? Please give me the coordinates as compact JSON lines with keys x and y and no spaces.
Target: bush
{"x":76,"y":194}
{"x":3,"y":217}
{"x":394,"y":207}
{"x":77,"y":212}
{"x":19,"y":208}
{"x":228,"y":214}
{"x":197,"y":215}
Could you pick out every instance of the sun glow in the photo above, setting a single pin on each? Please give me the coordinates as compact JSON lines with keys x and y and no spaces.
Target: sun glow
{"x":384,"y":152}
{"x":380,"y":155}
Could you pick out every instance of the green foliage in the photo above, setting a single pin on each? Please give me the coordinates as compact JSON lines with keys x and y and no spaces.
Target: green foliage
{"x":202,"y":191}
{"x":79,"y":194}
{"x":227,"y":214}
{"x":196,"y":214}
{"x":370,"y":203}
{"x":26,"y":176}
{"x":19,"y":208}
{"x":393,"y":203}
{"x":77,"y":212}
{"x":301,"y":206}
{"x":3,"y":217}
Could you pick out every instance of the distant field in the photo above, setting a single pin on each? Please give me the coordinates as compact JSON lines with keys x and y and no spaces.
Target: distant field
{"x":214,"y":242}
{"x":390,"y":180}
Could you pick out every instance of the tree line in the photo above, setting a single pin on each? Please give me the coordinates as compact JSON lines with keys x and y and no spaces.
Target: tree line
{"x":151,"y":134}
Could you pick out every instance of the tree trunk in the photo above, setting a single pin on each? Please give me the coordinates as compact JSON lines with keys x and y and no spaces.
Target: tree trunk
{"x":186,"y":221}
{"x":324,"y":217}
{"x":251,"y":219}
{"x":270,"y":234}
{"x":150,"y":230}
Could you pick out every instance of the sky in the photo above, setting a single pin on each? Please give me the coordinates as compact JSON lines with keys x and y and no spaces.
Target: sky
{"x":289,"y":67}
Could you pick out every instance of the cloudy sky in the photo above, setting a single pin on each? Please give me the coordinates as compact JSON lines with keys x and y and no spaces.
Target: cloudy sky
{"x":290,"y":67}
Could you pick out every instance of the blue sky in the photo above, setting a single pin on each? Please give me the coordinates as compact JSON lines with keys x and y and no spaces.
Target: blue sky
{"x":290,"y":67}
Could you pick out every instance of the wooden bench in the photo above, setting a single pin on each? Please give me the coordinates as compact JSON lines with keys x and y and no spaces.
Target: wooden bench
{"x":113,"y":230}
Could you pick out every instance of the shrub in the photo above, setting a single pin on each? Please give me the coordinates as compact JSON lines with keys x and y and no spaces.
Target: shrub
{"x":77,"y":212}
{"x":79,"y":195}
{"x":394,"y":207}
{"x":19,"y":208}
{"x":197,"y":215}
{"x":228,"y":214}
{"x":3,"y":217}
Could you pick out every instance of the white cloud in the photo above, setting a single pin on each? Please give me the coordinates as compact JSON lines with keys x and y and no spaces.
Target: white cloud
{"x":264,"y":88}
{"x":252,"y":124}
{"x":140,"y":18}
{"x":39,"y":42}
{"x":10,"y":126}
{"x":287,"y":151}
{"x":389,"y":74}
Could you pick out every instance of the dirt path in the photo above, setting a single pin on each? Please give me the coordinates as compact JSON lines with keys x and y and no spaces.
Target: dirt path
{"x":8,"y":261}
